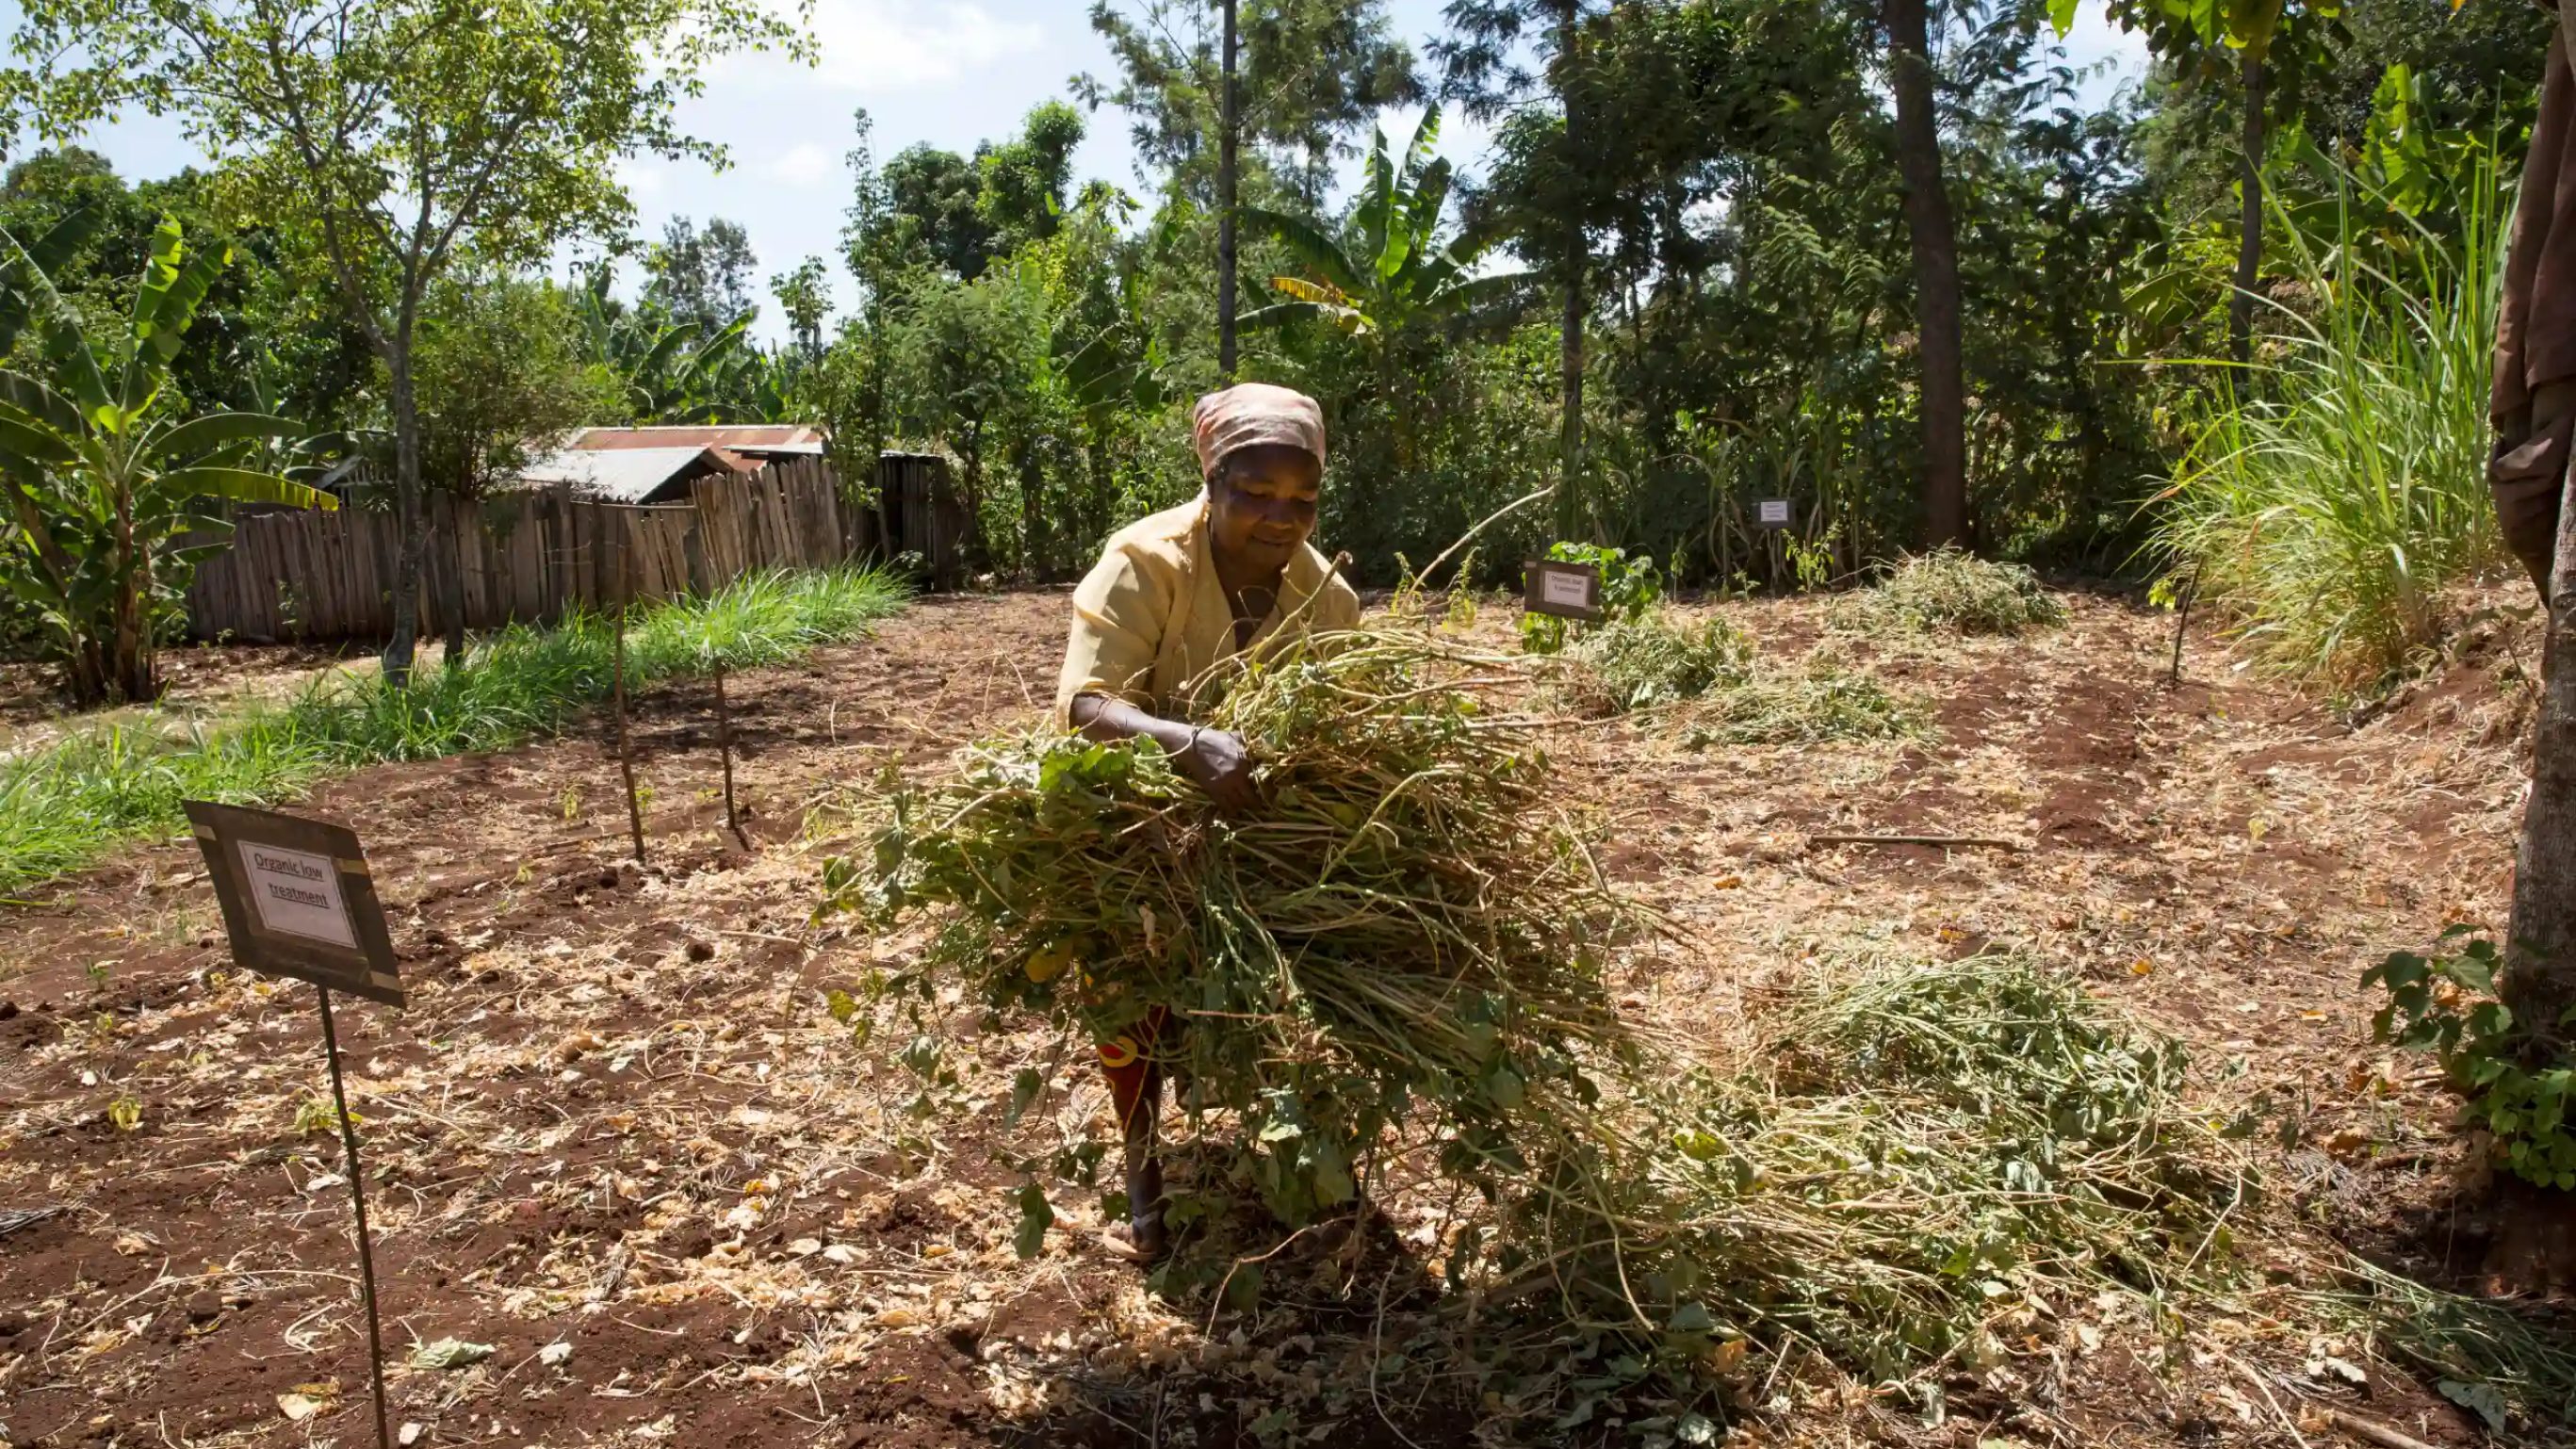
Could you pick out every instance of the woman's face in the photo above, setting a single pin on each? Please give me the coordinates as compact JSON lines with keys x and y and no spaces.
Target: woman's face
{"x":1261,"y":505}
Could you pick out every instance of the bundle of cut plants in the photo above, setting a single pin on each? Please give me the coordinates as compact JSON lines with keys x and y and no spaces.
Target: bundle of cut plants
{"x":1918,"y":1165}
{"x":1402,"y":934}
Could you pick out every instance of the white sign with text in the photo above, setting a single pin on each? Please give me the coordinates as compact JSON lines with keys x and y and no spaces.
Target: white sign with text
{"x":296,"y":893}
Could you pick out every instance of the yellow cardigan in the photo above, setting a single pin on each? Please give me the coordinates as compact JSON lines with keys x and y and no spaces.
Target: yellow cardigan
{"x":1151,"y":615}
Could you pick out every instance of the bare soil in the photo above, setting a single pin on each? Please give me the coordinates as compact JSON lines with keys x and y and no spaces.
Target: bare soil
{"x":618,"y":1138}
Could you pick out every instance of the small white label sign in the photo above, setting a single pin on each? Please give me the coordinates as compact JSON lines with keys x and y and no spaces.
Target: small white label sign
{"x":1572,"y":590}
{"x":296,"y":893}
{"x":1773,"y":512}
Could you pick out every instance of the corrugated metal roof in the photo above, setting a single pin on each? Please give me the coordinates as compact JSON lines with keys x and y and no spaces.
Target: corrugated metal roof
{"x":761,"y":435}
{"x":620,"y":475}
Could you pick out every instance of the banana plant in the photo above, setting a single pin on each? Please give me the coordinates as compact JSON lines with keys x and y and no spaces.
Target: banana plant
{"x":104,"y":479}
{"x":1394,"y":273}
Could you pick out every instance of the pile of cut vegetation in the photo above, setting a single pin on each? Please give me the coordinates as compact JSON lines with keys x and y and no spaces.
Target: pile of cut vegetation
{"x":1392,"y":984}
{"x":1723,"y":692}
{"x":1403,"y":936}
{"x":1955,"y":592}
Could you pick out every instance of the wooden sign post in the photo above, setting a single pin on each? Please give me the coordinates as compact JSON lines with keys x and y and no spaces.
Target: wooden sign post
{"x":298,"y":901}
{"x":1565,"y":590}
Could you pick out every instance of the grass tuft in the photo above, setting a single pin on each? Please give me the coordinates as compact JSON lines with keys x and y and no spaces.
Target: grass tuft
{"x":64,"y":806}
{"x":2331,"y":494}
{"x":1948,"y":591}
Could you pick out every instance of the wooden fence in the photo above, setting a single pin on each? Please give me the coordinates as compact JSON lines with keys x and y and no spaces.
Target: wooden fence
{"x":531,"y":556}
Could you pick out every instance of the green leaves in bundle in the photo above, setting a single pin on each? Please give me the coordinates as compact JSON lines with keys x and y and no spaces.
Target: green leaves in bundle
{"x":1400,"y":936}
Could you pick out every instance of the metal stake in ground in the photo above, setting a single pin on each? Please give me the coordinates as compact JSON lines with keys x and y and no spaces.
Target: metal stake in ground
{"x":2182,"y":626}
{"x":358,"y":1202}
{"x":299,"y":901}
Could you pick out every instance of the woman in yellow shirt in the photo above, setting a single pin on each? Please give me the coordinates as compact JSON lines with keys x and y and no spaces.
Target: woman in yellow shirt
{"x":1173,"y":595}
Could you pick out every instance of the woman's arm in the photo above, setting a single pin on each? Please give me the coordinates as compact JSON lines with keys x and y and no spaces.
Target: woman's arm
{"x":1214,"y":758}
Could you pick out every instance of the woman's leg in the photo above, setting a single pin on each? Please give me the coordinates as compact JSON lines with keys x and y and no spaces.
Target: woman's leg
{"x":1135,"y":1095}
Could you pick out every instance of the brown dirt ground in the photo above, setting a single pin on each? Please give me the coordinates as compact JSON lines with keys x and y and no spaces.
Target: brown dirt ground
{"x":616,"y":1118}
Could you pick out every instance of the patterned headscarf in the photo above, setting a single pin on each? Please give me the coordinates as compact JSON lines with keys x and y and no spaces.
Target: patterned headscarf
{"x":1250,"y":414}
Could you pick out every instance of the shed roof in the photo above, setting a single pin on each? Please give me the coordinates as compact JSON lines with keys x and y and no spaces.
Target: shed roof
{"x":757,"y":435}
{"x":620,"y":475}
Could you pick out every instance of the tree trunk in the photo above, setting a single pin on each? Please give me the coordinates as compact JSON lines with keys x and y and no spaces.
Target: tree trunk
{"x":2249,"y":229}
{"x":1569,"y":484}
{"x":2533,"y":1248}
{"x":407,"y":519}
{"x":1936,"y":275}
{"x":1228,"y":124}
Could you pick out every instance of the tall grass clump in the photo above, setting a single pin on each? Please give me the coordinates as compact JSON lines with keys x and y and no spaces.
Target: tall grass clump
{"x":2334,"y":489}
{"x":60,"y":807}
{"x":1954,"y":592}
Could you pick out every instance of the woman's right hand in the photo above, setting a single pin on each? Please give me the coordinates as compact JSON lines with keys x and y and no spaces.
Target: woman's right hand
{"x":1218,"y":762}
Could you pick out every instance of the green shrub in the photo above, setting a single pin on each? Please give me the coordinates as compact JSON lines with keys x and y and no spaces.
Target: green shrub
{"x":1630,"y":589}
{"x":1949,"y":591}
{"x":1644,"y":662}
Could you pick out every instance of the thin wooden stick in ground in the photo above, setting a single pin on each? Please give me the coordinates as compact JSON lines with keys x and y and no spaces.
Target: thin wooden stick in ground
{"x":625,"y":756}
{"x":1944,"y":841}
{"x":724,"y":747}
{"x":2367,"y":1431}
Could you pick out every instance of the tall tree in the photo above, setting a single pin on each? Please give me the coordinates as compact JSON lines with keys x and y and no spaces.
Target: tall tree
{"x":805,"y":296}
{"x":1556,"y":151}
{"x":1310,"y":74}
{"x":702,"y":279}
{"x":396,"y":133}
{"x":2268,"y":45}
{"x":937,"y":208}
{"x":1936,"y":273}
{"x":1227,"y":94}
{"x":1229,"y":210}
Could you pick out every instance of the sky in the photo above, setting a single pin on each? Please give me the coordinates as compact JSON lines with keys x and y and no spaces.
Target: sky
{"x":948,"y":72}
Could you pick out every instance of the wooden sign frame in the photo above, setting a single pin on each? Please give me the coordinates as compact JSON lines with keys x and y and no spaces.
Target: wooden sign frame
{"x":313,"y":915}
{"x":1775,"y":513}
{"x":1564,"y":590}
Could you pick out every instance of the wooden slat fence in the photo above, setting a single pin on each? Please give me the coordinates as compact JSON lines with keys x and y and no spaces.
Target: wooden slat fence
{"x":530,"y":556}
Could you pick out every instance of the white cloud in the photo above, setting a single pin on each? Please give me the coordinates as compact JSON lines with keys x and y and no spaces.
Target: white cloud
{"x":883,"y":45}
{"x":640,"y":178}
{"x":803,"y":164}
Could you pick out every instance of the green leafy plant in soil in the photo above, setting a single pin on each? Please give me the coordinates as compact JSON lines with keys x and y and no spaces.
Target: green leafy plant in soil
{"x":1630,"y":589}
{"x":1952,"y":592}
{"x":2446,"y":1005}
{"x":1649,"y":661}
{"x":61,"y":807}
